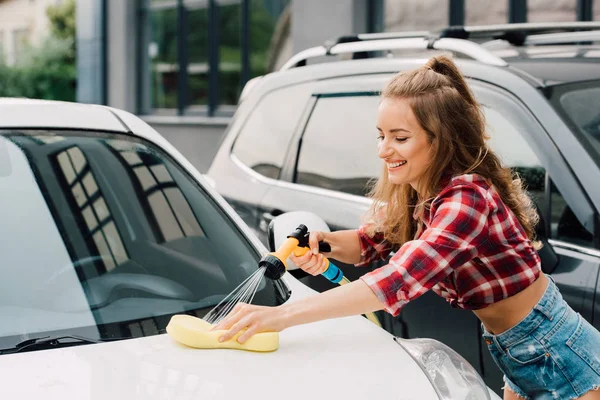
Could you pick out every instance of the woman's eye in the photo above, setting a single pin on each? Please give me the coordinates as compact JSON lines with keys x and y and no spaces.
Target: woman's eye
{"x":401,"y":139}
{"x":380,"y":137}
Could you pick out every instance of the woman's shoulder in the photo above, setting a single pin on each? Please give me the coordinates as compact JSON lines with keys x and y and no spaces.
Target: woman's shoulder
{"x":472,"y":180}
{"x":476,"y":185}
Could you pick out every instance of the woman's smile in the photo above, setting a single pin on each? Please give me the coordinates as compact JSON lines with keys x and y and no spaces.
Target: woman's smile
{"x":395,"y":165}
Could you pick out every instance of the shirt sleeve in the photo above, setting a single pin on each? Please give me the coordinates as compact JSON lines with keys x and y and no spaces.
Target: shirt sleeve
{"x":372,"y":248}
{"x":457,"y":228}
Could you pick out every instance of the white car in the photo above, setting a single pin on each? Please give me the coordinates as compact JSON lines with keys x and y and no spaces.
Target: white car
{"x":107,"y":231}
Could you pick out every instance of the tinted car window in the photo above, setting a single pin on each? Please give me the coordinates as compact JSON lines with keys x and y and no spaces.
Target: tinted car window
{"x":578,"y":105}
{"x":107,"y":236}
{"x":339,"y":145}
{"x":564,"y":225}
{"x":265,"y":137}
{"x":508,"y":143}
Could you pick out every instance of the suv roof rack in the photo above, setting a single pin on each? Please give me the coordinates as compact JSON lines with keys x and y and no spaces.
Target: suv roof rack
{"x":558,"y":38}
{"x":361,"y":48}
{"x":515,"y":33}
{"x":454,"y":38}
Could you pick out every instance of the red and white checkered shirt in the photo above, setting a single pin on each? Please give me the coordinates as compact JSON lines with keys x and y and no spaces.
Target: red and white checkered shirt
{"x":473,"y":252}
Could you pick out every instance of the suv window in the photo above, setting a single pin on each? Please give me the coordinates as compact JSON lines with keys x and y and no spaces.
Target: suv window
{"x":564,"y":225}
{"x":508,"y":144}
{"x":264,"y":139}
{"x":577,"y":104}
{"x":105,"y":235}
{"x":514,"y":151}
{"x":339,"y":146}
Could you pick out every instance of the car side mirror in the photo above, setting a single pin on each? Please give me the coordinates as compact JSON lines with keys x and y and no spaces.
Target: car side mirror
{"x":284,"y":224}
{"x":548,"y":257}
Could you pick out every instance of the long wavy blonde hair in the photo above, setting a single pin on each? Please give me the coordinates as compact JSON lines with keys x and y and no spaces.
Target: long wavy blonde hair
{"x":446,"y":109}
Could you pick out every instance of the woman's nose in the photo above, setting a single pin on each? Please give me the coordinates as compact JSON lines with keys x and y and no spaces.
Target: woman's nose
{"x":383,"y":149}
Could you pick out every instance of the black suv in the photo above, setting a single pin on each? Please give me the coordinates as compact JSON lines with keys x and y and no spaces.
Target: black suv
{"x":304,"y":138}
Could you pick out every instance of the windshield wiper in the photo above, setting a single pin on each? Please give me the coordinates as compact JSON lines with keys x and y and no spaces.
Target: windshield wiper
{"x":49,"y":342}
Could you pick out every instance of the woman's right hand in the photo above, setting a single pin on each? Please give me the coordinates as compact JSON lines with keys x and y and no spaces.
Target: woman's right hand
{"x":312,"y":261}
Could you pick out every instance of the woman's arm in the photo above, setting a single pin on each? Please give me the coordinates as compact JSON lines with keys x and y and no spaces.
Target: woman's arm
{"x":351,"y":299}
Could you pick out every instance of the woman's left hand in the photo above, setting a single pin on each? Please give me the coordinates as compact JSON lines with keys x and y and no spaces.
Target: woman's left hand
{"x":253,"y":318}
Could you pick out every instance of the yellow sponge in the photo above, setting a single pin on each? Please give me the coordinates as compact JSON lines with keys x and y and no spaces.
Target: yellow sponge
{"x":195,"y":332}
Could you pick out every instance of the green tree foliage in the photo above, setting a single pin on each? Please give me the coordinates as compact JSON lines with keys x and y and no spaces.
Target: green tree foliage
{"x":62,"y":22}
{"x":47,"y":71}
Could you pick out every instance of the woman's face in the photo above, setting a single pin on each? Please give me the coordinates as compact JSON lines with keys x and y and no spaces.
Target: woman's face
{"x":403,"y":143}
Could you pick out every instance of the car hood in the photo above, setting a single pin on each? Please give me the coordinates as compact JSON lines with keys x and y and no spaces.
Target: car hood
{"x":343,"y":358}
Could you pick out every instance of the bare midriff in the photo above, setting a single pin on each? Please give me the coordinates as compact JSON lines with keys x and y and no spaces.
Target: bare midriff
{"x":503,"y":315}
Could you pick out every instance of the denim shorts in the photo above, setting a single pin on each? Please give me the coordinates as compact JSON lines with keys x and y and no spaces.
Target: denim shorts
{"x":553,"y":353}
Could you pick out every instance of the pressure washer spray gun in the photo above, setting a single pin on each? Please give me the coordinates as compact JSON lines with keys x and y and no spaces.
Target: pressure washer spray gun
{"x":275,"y":263}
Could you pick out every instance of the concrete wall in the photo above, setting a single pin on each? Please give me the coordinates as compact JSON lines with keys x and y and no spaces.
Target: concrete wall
{"x":90,"y":43}
{"x":315,"y":21}
{"x":409,"y":15}
{"x":196,"y":138}
{"x":122,"y":54}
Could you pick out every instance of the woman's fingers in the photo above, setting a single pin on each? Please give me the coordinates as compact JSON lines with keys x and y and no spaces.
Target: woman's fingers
{"x":303,"y":259}
{"x":235,"y":328}
{"x":313,"y":241}
{"x":318,"y":267}
{"x":306,"y":261}
{"x":310,"y":263}
{"x":233,"y":317}
{"x":250,"y":320}
{"x":248,"y":333}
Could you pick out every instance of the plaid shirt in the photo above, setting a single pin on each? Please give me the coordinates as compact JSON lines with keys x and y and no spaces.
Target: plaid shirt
{"x":473,"y":252}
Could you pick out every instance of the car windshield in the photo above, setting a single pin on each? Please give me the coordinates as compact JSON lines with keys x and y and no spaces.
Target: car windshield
{"x":105,"y":236}
{"x":578,"y":105}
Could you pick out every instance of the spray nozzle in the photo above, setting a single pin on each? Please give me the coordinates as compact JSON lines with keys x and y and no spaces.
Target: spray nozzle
{"x":275,"y":268}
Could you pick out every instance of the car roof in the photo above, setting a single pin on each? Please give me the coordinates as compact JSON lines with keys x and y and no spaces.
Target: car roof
{"x":508,"y":79}
{"x":40,"y":114}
